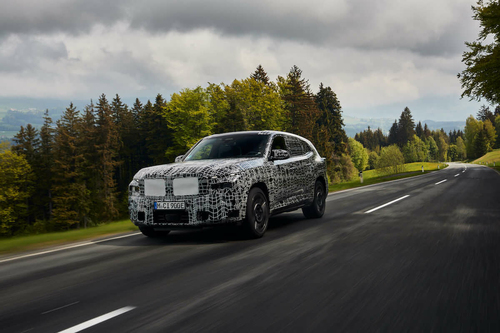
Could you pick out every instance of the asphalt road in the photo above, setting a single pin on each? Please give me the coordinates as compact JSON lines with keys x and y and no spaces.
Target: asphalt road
{"x":427,"y":262}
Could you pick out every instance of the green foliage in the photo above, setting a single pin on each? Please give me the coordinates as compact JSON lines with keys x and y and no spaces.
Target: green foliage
{"x":461,"y":151}
{"x":480,"y":79}
{"x":341,"y":169}
{"x":188,"y":117}
{"x":497,"y":130}
{"x":16,"y":181}
{"x":372,"y":160}
{"x":257,"y":106}
{"x":358,"y":153}
{"x":391,"y":160}
{"x":406,"y":127}
{"x":491,"y":134}
{"x":300,"y":108}
{"x":480,"y":137}
{"x":453,"y":153}
{"x":71,"y":199}
{"x":432,"y":149}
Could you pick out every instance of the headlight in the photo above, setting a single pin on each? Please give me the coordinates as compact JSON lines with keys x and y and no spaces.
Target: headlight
{"x":134,"y":188}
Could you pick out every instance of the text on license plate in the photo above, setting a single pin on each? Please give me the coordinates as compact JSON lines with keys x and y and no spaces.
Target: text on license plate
{"x":170,"y":205}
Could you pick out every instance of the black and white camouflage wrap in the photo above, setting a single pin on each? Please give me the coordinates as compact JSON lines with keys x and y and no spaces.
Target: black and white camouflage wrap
{"x":224,"y":184}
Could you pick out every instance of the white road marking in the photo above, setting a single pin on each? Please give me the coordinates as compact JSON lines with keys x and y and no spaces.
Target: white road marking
{"x":68,"y":247}
{"x":387,"y":204}
{"x":441,"y":182}
{"x":457,"y":175}
{"x":97,"y":320}
{"x":61,"y":307}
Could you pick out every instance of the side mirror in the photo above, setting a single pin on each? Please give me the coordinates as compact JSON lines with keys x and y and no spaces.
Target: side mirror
{"x":279,"y":154}
{"x":179,"y":158}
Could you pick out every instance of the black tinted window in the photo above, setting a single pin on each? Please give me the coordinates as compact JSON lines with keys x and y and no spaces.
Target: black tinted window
{"x":234,"y":146}
{"x":295,"y":146}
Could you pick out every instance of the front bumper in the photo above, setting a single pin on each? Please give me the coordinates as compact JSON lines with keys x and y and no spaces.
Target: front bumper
{"x":216,"y":207}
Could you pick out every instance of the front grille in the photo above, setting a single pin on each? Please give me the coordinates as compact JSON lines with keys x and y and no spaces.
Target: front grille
{"x":170,"y":216}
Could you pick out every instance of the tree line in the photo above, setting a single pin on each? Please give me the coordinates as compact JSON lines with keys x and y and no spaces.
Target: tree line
{"x":74,"y":173}
{"x":408,"y":143}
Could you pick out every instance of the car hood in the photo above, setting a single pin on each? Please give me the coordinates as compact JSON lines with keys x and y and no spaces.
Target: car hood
{"x":201,"y":168}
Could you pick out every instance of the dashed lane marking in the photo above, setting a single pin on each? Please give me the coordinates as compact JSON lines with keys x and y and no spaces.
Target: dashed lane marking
{"x":97,"y":320}
{"x":441,"y":182}
{"x":387,"y":204}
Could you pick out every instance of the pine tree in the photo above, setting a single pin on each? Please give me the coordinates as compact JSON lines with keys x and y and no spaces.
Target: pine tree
{"x":27,"y":144}
{"x":427,"y":131}
{"x":393,"y":134}
{"x":70,"y":195}
{"x":419,"y":130}
{"x":484,"y":114}
{"x":406,"y":127}
{"x":158,"y":135}
{"x":127,"y":134}
{"x":107,"y":148}
{"x":260,"y":75}
{"x":300,"y":106}
{"x":330,"y":116}
{"x":46,"y":163}
{"x":480,"y":143}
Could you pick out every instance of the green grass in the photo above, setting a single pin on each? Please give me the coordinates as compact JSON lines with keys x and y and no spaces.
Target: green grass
{"x":378,"y":176}
{"x":33,"y":242}
{"x":489,"y":158}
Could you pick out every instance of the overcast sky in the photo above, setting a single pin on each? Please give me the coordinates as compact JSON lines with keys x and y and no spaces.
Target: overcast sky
{"x":377,"y":55}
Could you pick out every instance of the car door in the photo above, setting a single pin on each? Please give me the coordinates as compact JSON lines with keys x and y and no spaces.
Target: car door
{"x":279,"y":178}
{"x":299,"y":171}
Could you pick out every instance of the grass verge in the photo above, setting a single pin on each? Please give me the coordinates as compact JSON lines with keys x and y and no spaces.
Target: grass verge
{"x":378,"y":176}
{"x":34,"y":242}
{"x":489,"y":158}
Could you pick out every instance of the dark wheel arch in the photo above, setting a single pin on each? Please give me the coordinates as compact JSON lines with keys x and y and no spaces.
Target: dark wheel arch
{"x":317,"y":207}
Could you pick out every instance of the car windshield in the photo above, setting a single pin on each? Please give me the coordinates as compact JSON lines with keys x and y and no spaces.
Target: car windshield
{"x":234,"y":146}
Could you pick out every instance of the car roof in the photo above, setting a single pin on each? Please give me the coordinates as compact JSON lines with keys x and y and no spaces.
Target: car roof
{"x":252,"y":132}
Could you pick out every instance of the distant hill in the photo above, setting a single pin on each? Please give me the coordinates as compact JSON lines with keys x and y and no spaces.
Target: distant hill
{"x":355,"y":125}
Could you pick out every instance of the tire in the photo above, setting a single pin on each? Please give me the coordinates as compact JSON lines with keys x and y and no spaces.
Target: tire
{"x":317,"y":208}
{"x":257,"y":213}
{"x":150,"y":232}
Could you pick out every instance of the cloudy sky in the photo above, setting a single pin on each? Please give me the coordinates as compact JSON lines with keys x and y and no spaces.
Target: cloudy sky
{"x":377,"y":55}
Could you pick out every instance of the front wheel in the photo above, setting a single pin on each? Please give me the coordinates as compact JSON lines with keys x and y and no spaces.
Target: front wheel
{"x":257,"y":213}
{"x":150,"y":232}
{"x":317,"y":208}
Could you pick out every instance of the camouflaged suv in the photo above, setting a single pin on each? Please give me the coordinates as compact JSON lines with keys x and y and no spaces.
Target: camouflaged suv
{"x":240,"y":177}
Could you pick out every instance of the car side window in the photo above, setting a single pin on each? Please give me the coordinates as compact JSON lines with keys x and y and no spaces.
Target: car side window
{"x":295,"y":145}
{"x":305,"y":146}
{"x":279,"y":143}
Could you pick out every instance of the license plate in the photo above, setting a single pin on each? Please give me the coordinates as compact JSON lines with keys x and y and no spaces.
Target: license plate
{"x":173,"y":205}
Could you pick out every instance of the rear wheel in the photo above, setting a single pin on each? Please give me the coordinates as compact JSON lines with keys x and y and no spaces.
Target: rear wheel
{"x":317,"y":208}
{"x":257,"y":213}
{"x":150,"y":232}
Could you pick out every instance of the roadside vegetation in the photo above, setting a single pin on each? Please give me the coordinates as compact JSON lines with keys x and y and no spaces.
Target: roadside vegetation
{"x":35,"y":242}
{"x":381,"y":175}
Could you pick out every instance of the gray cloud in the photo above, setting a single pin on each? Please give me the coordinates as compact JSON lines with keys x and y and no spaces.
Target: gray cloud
{"x":52,"y":16}
{"x":421,"y":26}
{"x":25,"y":53}
{"x":372,"y":52}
